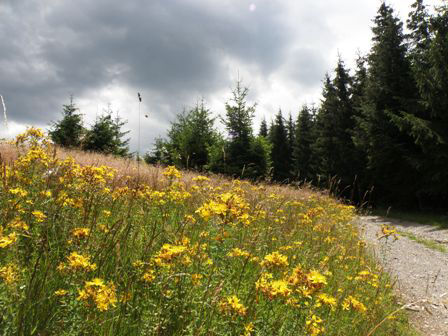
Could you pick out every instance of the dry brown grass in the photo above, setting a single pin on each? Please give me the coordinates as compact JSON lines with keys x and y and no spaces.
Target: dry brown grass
{"x":148,"y":174}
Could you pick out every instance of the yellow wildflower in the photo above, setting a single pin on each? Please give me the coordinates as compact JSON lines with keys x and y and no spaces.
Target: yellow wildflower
{"x":237,"y":252}
{"x":168,"y":253}
{"x":77,"y":261}
{"x":327,"y":299}
{"x":5,"y":241}
{"x":196,"y":279}
{"x":353,"y":302}
{"x":171,"y":172}
{"x":248,"y":328}
{"x":231,"y":306}
{"x":313,"y":325}
{"x":275,"y":259}
{"x":80,"y":233}
{"x":148,"y":276}
{"x":61,"y":292}
{"x":39,"y":216}
{"x":9,"y":273}
{"x":18,"y":224}
{"x":101,"y":294}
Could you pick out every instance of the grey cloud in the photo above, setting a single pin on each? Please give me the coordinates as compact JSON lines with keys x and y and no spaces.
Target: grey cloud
{"x":172,"y":51}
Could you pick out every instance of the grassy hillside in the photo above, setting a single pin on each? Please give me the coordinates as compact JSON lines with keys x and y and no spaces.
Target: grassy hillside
{"x":93,"y":250}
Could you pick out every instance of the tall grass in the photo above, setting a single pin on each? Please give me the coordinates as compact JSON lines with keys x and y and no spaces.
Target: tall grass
{"x":91,"y":250}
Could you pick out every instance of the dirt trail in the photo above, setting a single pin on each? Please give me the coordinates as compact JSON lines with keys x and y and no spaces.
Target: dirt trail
{"x":421,"y":273}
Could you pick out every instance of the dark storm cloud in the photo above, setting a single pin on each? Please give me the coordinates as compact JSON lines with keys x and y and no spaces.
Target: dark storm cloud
{"x":172,"y":51}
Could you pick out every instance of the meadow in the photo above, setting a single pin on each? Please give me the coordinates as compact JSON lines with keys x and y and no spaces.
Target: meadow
{"x":91,"y":249}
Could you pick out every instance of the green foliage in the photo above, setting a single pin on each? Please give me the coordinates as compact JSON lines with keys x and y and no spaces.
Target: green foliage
{"x":190,"y":136}
{"x":281,"y":151}
{"x":429,"y":125}
{"x":239,"y":116}
{"x":106,"y":136}
{"x":334,"y":148}
{"x":69,"y":130}
{"x":238,"y":123}
{"x":384,"y":129}
{"x":291,"y":129}
{"x":302,"y":149}
{"x":244,"y":154}
{"x":87,"y":251}
{"x":160,"y":153}
{"x":217,"y":155}
{"x":263,"y":128}
{"x":389,"y":90}
{"x":257,"y":162}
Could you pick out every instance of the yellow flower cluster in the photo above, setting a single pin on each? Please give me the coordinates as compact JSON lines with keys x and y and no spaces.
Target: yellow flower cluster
{"x":314,"y":325}
{"x":9,"y":273}
{"x":103,"y":295}
{"x":275,"y":259}
{"x":168,"y":254}
{"x":229,"y":207}
{"x":39,"y":216}
{"x":172,"y":172}
{"x":231,"y":305}
{"x":351,"y":301}
{"x":77,"y":262}
{"x":7,"y":240}
{"x":283,"y":252}
{"x":388,"y":231}
{"x":272,"y":288}
{"x":237,"y":252}
{"x":80,"y":233}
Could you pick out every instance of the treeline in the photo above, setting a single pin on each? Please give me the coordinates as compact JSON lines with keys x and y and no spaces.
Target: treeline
{"x":105,"y":135}
{"x":382,"y":128}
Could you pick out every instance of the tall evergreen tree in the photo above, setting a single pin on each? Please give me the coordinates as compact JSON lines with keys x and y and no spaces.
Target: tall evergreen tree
{"x":359,"y":84}
{"x":245,"y":154}
{"x":190,"y":136}
{"x":281,"y":152}
{"x":429,"y":125}
{"x":325,"y":146}
{"x":160,"y":153}
{"x":345,"y":166}
{"x":291,"y":129}
{"x":106,"y":136}
{"x":238,"y":122}
{"x":335,"y":124}
{"x":419,"y":39}
{"x":358,"y":164}
{"x":389,"y":90}
{"x":302,"y":149}
{"x":69,"y":130}
{"x":263,"y":128}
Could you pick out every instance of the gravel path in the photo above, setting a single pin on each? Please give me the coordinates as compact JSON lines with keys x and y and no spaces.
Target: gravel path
{"x":421,"y":273}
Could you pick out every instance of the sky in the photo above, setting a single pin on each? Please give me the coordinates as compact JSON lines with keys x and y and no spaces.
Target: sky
{"x":175,"y":53}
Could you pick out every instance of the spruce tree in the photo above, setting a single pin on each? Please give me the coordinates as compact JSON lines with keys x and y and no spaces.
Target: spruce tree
{"x":69,"y":130}
{"x":302,"y":149}
{"x":106,"y":136}
{"x":325,"y":147}
{"x":190,"y":136}
{"x":345,"y":167}
{"x":419,"y":40}
{"x":291,"y":129}
{"x":359,"y":84}
{"x":160,"y":153}
{"x":242,"y":149}
{"x":428,"y":126}
{"x":389,"y":90}
{"x":263,"y":128}
{"x":281,"y":152}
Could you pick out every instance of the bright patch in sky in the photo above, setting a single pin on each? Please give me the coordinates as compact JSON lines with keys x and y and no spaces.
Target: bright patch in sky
{"x":252,"y":7}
